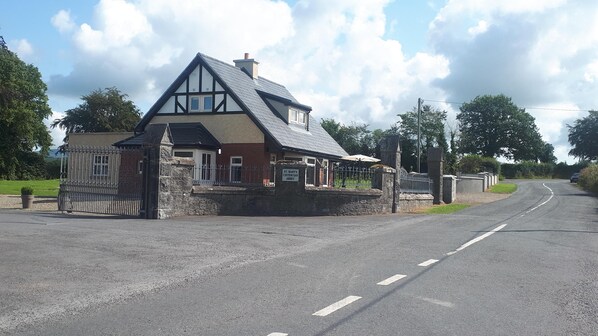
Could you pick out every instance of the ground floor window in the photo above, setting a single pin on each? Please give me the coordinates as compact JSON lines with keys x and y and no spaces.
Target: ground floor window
{"x":205,"y":163}
{"x":236,"y":166}
{"x":325,"y":173}
{"x":310,"y":171}
{"x":100,"y":165}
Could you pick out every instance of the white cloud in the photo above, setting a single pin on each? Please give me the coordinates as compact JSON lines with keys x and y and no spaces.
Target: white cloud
{"x":533,"y":51}
{"x":23,"y":48}
{"x":56,"y":133}
{"x":63,"y":21}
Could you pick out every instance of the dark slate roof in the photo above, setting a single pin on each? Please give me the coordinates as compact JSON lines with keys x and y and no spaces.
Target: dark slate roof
{"x":247,"y":91}
{"x":289,"y":137}
{"x":183,"y":135}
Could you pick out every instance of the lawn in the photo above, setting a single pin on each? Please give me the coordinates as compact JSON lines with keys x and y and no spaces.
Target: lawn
{"x":446,"y":208}
{"x":503,"y":188}
{"x":47,"y":188}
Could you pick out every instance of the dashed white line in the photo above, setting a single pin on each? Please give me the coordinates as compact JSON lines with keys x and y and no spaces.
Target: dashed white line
{"x":392,"y":279}
{"x":337,"y":305}
{"x":427,"y":262}
{"x":477,"y":239}
{"x":277,"y":334}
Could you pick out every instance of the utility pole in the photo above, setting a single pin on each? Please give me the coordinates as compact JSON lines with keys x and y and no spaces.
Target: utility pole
{"x":419,"y":111}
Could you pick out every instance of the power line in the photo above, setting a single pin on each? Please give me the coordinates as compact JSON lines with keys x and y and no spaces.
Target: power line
{"x":527,"y":108}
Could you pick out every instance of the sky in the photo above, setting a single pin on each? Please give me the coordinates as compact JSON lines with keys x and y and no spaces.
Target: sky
{"x":350,"y":60}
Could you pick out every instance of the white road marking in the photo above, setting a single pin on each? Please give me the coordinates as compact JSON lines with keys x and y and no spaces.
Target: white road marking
{"x":541,"y":204}
{"x":392,"y":279}
{"x":427,"y":262}
{"x":296,"y":265}
{"x":438,"y":302}
{"x":337,"y":305}
{"x":277,"y":334}
{"x":477,"y":239}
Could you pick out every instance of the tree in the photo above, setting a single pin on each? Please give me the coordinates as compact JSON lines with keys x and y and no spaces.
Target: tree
{"x":493,"y":126}
{"x":23,"y":108}
{"x":106,"y":110}
{"x":432,"y":134}
{"x":547,"y":154}
{"x":355,"y":138}
{"x":583,"y":136}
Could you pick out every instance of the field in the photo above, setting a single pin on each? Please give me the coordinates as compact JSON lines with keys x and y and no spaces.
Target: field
{"x":446,"y":209}
{"x":48,"y":188}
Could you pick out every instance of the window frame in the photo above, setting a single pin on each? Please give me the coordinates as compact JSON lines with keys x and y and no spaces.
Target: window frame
{"x":236,"y":168}
{"x":201,"y":103}
{"x":100,"y":169}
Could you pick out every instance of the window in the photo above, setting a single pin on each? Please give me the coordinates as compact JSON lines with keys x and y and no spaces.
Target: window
{"x":236,"y":164}
{"x":201,"y":104}
{"x":310,"y":171}
{"x":100,"y":165}
{"x":206,"y":169}
{"x":194,"y":104}
{"x":183,"y":154}
{"x":296,"y":116}
{"x":324,"y":173}
{"x":207,"y":103}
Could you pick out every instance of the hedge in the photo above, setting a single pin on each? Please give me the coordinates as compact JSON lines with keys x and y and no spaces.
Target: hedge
{"x":588,"y":178}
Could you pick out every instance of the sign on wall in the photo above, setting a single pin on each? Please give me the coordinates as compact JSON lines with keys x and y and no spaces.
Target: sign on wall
{"x":290,"y":175}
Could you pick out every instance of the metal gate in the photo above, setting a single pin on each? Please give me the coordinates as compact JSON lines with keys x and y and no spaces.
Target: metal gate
{"x":102,"y":180}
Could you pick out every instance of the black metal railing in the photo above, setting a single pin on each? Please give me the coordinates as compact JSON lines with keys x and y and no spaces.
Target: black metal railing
{"x":222,"y":175}
{"x":414,"y":184}
{"x":352,"y":177}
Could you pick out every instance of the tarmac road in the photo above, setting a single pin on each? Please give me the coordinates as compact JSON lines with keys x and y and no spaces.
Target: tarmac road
{"x":526,"y":265}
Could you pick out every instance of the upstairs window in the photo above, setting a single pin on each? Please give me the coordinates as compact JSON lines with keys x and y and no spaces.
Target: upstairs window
{"x":201,"y":104}
{"x":297,"y":116}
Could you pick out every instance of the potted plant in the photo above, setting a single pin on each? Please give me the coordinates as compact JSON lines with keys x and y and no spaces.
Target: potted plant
{"x":27,"y":197}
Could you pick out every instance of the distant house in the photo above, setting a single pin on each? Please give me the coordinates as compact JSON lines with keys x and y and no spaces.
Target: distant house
{"x":227,"y":116}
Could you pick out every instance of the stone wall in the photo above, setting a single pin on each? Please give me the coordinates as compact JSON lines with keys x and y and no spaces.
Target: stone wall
{"x":169,"y":191}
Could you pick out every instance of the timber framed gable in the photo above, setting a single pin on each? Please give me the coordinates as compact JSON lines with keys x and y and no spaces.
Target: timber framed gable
{"x":197,"y":90}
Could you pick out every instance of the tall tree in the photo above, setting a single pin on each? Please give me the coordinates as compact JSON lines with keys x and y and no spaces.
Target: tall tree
{"x":583,"y":136}
{"x":547,"y":154}
{"x":106,"y":110}
{"x":432,"y":122}
{"x":354,"y":138}
{"x":23,"y":108}
{"x":494,"y":126}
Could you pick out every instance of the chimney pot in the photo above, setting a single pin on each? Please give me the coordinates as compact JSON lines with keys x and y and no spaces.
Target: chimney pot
{"x":246,"y":55}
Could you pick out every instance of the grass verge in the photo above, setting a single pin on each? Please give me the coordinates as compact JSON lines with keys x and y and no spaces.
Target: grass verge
{"x":446,"y":209}
{"x":503,"y":188}
{"x":47,"y":188}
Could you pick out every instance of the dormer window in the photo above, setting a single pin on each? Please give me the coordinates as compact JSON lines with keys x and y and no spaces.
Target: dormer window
{"x":297,"y":116}
{"x":201,"y":104}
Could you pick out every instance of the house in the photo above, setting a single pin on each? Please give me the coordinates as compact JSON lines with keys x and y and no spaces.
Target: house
{"x":236,"y":125}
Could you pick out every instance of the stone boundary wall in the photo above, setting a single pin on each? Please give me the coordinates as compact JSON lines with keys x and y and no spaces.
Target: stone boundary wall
{"x":169,"y":190}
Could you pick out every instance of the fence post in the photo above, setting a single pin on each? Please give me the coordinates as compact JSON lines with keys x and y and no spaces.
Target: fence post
{"x":390,"y":155}
{"x":435,"y":166}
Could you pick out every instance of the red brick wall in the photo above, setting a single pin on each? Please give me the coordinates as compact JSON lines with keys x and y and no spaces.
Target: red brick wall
{"x":255,"y":160}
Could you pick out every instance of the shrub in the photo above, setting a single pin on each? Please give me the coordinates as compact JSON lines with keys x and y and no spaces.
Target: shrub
{"x":527,"y":169}
{"x":588,"y":178}
{"x":563,"y":171}
{"x":26,"y":191}
{"x":473,"y":164}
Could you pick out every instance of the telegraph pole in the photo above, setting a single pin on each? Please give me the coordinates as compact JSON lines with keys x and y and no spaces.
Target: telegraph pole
{"x":419,"y":111}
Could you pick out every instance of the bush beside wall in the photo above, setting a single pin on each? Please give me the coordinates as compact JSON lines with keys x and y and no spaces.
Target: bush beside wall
{"x":588,"y":179}
{"x":473,"y":164}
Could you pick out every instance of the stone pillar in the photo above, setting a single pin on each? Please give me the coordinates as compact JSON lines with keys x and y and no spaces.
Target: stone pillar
{"x":435,"y":167}
{"x":449,"y":189}
{"x":390,"y":155}
{"x":290,"y":187}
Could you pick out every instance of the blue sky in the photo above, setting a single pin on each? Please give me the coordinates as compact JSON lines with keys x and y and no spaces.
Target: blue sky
{"x":351,"y":60}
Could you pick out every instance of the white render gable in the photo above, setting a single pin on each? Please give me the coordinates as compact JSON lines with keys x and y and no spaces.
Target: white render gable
{"x":200,"y":92}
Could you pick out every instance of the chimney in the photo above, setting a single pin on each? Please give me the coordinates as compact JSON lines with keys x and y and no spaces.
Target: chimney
{"x":249,"y":64}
